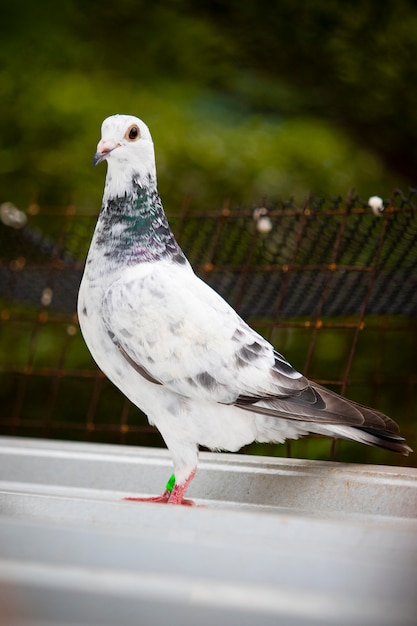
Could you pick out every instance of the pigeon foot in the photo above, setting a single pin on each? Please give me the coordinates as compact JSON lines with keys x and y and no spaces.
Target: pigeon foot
{"x":173,"y":494}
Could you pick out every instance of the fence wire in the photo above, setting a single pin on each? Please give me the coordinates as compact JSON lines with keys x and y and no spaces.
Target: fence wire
{"x":333,"y":284}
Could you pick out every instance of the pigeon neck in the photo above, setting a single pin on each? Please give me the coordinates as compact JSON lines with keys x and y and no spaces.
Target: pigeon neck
{"x":135,"y":228}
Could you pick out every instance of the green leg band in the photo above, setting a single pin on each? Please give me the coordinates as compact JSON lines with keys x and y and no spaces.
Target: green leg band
{"x":171,"y":483}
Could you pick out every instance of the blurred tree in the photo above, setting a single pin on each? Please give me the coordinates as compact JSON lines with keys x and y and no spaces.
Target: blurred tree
{"x":243,"y":99}
{"x":352,"y":63}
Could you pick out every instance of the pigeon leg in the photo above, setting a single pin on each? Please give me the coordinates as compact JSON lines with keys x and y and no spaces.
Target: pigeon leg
{"x":173,"y":494}
{"x":177,"y":493}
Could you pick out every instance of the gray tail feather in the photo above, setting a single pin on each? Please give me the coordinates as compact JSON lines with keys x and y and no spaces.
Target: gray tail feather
{"x":321,"y":411}
{"x":368,"y":436}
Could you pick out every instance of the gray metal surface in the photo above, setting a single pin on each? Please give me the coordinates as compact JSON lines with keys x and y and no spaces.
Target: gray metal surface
{"x":277,"y":541}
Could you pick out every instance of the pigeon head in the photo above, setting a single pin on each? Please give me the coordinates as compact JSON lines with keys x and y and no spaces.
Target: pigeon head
{"x":126,"y":144}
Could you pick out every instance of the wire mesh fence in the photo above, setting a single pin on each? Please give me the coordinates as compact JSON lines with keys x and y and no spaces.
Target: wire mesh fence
{"x":332,"y":284}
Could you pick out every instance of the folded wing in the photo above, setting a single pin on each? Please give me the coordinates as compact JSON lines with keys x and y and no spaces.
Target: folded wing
{"x":177,"y":332}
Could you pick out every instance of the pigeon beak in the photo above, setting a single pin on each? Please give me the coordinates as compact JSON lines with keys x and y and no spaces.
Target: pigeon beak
{"x":104,"y":147}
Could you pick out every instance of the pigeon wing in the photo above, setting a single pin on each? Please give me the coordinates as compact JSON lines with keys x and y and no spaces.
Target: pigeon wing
{"x":178,"y":332}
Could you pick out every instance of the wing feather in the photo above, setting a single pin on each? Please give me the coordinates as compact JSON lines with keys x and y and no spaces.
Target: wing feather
{"x":178,"y":332}
{"x":185,"y":336}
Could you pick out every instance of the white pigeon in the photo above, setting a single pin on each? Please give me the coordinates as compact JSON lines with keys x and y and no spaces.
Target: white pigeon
{"x":175,"y":347}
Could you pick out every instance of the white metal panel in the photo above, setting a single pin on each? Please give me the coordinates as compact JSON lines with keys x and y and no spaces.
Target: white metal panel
{"x":278,"y":541}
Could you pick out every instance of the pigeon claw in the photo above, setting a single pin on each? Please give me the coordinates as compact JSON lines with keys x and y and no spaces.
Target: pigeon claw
{"x":174,"y":495}
{"x":164,"y":498}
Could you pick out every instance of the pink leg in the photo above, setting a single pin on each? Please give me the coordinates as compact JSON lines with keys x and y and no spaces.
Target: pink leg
{"x":174,"y":495}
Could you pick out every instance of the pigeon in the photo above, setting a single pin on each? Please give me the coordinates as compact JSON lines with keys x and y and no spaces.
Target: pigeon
{"x":176,"y":348}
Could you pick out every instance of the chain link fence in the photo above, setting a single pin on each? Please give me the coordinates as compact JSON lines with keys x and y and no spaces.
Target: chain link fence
{"x":332,"y":284}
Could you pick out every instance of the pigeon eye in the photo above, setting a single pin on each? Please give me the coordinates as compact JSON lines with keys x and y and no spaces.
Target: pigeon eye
{"x":132,"y":133}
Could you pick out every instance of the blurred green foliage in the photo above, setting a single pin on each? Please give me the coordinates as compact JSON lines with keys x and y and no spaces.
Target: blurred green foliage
{"x":243,"y":99}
